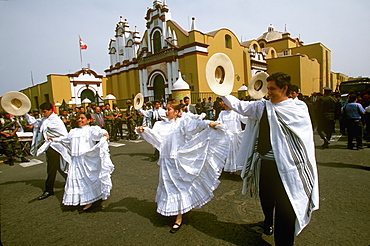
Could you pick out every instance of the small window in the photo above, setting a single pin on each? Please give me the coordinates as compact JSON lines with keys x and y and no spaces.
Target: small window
{"x":255,"y":47}
{"x":36,"y":101}
{"x":46,"y":97}
{"x":262,"y":45}
{"x":228,"y":43}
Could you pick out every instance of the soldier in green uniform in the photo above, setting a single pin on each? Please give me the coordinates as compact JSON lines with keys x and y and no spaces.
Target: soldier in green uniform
{"x":36,"y":114}
{"x":10,"y":145}
{"x":93,"y":106}
{"x":131,"y":117}
{"x":65,"y":118}
{"x":24,"y":123}
{"x":70,"y":112}
{"x":140,"y":117}
{"x":74,"y":117}
{"x":109,"y":118}
{"x":117,"y":124}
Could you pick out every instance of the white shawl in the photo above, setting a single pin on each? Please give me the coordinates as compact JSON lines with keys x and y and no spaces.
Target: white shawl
{"x":293,"y":147}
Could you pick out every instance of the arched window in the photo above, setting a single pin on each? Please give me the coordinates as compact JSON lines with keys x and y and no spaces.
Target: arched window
{"x":255,"y":47}
{"x":112,"y":50}
{"x":273,"y":54}
{"x":228,"y":43}
{"x":129,"y":43}
{"x":87,"y":93}
{"x":262,"y":45}
{"x":157,"y":46}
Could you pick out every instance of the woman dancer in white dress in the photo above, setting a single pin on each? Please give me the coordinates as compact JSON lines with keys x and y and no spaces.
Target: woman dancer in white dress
{"x":232,"y":122}
{"x":89,"y":173}
{"x":192,"y":155}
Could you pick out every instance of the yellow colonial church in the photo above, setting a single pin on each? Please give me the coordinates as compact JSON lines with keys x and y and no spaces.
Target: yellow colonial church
{"x":150,"y":64}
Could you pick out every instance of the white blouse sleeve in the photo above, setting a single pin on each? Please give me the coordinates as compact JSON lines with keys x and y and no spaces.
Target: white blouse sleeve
{"x":192,"y":124}
{"x":97,"y":133}
{"x":152,"y":136}
{"x":64,"y":139}
{"x":32,"y":120}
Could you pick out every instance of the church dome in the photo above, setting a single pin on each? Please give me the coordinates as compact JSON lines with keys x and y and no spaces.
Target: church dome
{"x":180,"y":84}
{"x":271,"y":34}
{"x":110,"y":97}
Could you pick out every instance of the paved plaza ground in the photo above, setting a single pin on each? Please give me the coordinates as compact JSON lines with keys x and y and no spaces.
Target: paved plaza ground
{"x":129,"y":215}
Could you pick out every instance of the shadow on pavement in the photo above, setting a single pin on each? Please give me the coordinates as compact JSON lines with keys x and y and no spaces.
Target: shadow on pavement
{"x":344,"y":165}
{"x":207,"y":223}
{"x":238,"y":234}
{"x":133,"y":154}
{"x":143,"y":208}
{"x":331,"y":146}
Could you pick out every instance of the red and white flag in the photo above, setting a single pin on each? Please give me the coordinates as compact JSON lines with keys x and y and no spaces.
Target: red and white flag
{"x":83,"y":46}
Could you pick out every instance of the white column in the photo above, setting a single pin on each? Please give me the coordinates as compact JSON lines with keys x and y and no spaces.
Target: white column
{"x":141,"y":81}
{"x":169,"y":76}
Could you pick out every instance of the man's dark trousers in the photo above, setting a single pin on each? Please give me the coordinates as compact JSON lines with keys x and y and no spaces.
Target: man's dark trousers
{"x":53,"y":165}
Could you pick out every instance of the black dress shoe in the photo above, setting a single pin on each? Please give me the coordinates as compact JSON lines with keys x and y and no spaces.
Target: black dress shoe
{"x":45,"y":195}
{"x":268,"y":230}
{"x":10,"y":161}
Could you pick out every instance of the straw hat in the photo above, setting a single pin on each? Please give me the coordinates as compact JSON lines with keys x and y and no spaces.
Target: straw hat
{"x":220,"y":74}
{"x":257,"y":86}
{"x":15,"y":103}
{"x":138,"y":101}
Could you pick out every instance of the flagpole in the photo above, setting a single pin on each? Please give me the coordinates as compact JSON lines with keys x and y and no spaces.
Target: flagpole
{"x":79,"y":47}
{"x":32,"y":79}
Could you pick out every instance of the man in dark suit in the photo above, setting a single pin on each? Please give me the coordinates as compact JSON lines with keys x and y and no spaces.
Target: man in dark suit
{"x":188,"y":107}
{"x":198,"y":106}
{"x":98,"y":118}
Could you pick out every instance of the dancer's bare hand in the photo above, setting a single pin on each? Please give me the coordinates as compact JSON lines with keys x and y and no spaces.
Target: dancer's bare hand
{"x":214,"y":124}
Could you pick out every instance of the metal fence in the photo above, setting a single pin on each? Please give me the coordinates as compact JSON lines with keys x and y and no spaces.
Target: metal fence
{"x":194,"y":97}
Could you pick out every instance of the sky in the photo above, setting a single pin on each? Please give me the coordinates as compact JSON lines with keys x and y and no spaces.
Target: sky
{"x":40,"y":37}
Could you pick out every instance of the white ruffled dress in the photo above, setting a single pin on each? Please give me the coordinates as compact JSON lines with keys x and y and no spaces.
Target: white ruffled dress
{"x":89,"y":173}
{"x":192,"y":156}
{"x":232,"y":124}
